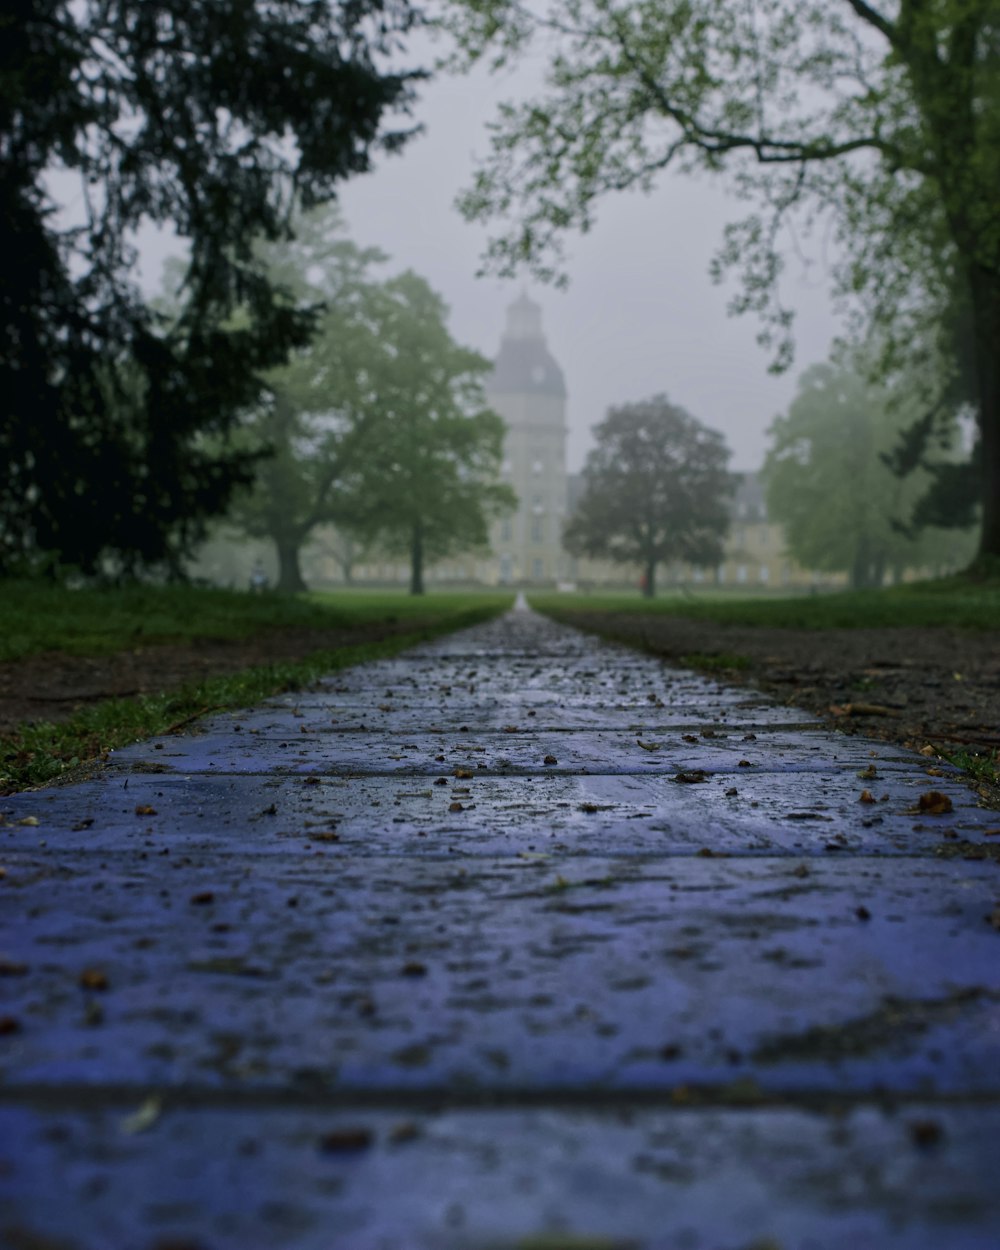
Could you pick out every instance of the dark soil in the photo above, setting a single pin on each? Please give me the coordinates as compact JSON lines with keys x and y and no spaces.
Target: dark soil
{"x":52,"y":686}
{"x":914,"y":686}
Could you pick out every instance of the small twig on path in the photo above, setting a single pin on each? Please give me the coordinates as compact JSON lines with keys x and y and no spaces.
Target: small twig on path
{"x":178,"y":725}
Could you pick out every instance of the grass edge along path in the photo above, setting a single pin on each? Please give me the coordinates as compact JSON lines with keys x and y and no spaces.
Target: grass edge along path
{"x":962,"y":603}
{"x":41,"y":752}
{"x":959,"y":602}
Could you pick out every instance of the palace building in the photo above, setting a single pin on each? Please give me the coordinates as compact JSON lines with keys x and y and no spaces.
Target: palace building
{"x":528,"y":390}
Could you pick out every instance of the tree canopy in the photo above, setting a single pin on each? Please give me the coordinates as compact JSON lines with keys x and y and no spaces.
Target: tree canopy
{"x":885,"y":117}
{"x":655,"y":488}
{"x":829,"y":486}
{"x":212,"y":119}
{"x":318,"y":411}
{"x":427,"y":483}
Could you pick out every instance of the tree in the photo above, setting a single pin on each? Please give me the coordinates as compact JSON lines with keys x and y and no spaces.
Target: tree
{"x":884,"y":115}
{"x":214,"y":119}
{"x":655,"y":488}
{"x":320,"y":411}
{"x":427,"y":484}
{"x":828,"y":483}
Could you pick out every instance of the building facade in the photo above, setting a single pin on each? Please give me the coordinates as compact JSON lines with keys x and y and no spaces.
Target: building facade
{"x":528,"y":390}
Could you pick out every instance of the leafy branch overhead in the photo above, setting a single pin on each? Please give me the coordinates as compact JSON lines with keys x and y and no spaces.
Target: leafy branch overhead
{"x":883,"y":120}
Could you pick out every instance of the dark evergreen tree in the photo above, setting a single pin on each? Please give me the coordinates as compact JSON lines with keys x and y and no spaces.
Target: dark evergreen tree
{"x":214,"y":119}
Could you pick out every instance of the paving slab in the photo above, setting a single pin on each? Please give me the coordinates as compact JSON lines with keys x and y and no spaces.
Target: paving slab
{"x":395,"y":962}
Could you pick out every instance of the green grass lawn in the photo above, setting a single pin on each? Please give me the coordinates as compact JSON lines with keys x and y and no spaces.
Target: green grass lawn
{"x":88,"y":622}
{"x":953,"y":601}
{"x":36,"y":617}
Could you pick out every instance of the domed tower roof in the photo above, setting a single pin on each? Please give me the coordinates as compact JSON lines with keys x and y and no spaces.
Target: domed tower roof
{"x":525,"y":366}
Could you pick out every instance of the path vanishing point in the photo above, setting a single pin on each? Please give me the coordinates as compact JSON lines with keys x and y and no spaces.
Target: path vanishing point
{"x":518,"y":939}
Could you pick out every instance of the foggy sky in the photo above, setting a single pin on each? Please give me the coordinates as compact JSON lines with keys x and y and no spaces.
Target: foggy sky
{"x":641,"y":315}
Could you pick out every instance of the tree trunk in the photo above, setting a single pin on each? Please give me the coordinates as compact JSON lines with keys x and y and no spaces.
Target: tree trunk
{"x":860,"y":571}
{"x":986,"y":332}
{"x":417,"y":559}
{"x":290,"y":579}
{"x":649,"y":580}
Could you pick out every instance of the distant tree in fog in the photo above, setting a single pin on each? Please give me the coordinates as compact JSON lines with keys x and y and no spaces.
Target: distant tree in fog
{"x":830,"y":485}
{"x":319,"y":412}
{"x":428,"y":481}
{"x":212,"y":118}
{"x":654,"y":488}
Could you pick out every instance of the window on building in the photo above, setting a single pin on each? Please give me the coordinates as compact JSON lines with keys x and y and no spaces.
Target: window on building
{"x":741,"y":573}
{"x":698,"y":574}
{"x":720,"y":575}
{"x":537,"y":530}
{"x":505,"y":469}
{"x":763,"y":574}
{"x":506,"y":530}
{"x":536,"y":570}
{"x":536,"y":504}
{"x":536,"y":467}
{"x":506,"y":567}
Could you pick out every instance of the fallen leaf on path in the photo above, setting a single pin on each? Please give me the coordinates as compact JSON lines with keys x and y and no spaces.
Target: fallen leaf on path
{"x":202,"y":898}
{"x":862,"y":709}
{"x":933,"y":803}
{"x":868,"y":797}
{"x":926,"y":1133}
{"x":464,"y":773}
{"x":869,"y":774}
{"x":31,"y":821}
{"x":9,"y":1025}
{"x":550,"y":759}
{"x":94,"y":979}
{"x":144,"y":1118}
{"x":690,"y":777}
{"x":414,"y":968}
{"x":455,"y":807}
{"x":12,"y":967}
{"x":346,"y":1140}
{"x":648,"y":746}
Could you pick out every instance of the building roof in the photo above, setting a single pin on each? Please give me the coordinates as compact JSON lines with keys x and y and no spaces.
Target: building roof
{"x":749,"y":502}
{"x":525,"y":365}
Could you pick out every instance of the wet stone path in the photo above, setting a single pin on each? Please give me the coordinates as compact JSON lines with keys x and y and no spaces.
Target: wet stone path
{"x":516,"y":939}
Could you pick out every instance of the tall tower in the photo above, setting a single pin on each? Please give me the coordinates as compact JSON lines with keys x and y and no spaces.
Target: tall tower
{"x":528,"y":390}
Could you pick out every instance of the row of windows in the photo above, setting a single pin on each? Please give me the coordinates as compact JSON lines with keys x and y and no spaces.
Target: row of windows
{"x":507,"y":568}
{"x":537,"y":530}
{"x":538,"y":467}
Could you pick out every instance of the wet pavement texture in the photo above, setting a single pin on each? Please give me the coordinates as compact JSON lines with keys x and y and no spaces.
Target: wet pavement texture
{"x":518,"y":939}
